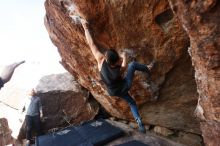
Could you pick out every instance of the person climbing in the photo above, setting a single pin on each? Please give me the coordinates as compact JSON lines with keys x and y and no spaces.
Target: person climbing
{"x":7,"y":72}
{"x":110,"y":68}
{"x":34,"y":114}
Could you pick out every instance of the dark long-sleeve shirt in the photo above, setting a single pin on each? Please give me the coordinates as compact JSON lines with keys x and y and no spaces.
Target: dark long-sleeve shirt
{"x":33,"y":106}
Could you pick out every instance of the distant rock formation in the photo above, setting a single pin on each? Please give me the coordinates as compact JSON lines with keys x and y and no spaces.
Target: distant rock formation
{"x":150,"y":31}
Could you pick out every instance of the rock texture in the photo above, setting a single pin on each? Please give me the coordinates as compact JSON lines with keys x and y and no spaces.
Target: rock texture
{"x":5,"y":132}
{"x":201,"y":21}
{"x":163,"y":131}
{"x":148,"y":138}
{"x":64,"y":101}
{"x":188,"y":139}
{"x":150,"y":31}
{"x":177,"y":101}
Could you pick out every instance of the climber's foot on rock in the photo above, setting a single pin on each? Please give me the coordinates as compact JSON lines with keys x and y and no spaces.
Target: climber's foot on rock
{"x":142,"y":129}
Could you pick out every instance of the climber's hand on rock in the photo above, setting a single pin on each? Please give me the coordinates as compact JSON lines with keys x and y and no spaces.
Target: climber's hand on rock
{"x":151,"y":65}
{"x":85,"y":23}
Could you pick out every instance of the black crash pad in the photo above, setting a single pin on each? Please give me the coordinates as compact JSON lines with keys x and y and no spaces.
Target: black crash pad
{"x":92,"y":133}
{"x":133,"y":143}
{"x":65,"y":137}
{"x":99,"y":132}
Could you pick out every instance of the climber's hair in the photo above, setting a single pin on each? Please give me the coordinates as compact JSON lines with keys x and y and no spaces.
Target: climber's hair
{"x":112,"y":56}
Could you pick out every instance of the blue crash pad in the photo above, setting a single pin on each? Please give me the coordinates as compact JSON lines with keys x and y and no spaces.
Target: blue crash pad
{"x":133,"y":143}
{"x":99,"y":132}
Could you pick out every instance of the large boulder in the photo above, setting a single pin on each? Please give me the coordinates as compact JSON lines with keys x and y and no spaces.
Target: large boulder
{"x":150,"y":31}
{"x":64,"y":101}
{"x":201,"y":21}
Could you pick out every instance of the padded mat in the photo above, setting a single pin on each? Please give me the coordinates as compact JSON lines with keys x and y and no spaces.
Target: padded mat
{"x":133,"y":143}
{"x":92,"y":133}
{"x":66,"y":137}
{"x":99,"y":132}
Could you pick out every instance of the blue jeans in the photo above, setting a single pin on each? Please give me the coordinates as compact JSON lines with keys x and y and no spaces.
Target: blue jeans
{"x":132,"y":67}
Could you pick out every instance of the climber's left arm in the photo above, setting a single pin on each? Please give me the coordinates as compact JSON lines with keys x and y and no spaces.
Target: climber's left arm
{"x":124,"y":59}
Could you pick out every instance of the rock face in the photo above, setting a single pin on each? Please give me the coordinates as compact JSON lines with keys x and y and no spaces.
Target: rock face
{"x":149,"y":30}
{"x":163,"y":131}
{"x":64,"y":102}
{"x":147,"y":139}
{"x":201,"y":21}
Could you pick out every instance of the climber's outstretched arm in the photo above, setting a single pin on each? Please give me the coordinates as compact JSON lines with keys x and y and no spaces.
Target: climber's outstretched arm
{"x":8,"y":71}
{"x":95,"y":51}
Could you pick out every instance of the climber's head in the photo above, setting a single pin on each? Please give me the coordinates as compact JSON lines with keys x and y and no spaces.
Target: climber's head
{"x":32,"y":92}
{"x":112,"y":56}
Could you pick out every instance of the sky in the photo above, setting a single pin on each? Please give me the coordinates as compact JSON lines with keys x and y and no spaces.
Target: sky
{"x":23,"y":36}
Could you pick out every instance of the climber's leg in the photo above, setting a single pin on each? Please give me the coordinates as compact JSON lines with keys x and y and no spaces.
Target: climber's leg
{"x":37,"y":125}
{"x":132,"y":67}
{"x":134,"y":111}
{"x":29,"y":124}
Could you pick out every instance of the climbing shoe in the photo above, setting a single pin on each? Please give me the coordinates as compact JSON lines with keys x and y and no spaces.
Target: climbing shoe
{"x":141,"y":127}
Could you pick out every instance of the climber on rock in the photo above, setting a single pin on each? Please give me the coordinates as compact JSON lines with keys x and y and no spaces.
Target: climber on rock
{"x":7,"y":72}
{"x":110,"y":67}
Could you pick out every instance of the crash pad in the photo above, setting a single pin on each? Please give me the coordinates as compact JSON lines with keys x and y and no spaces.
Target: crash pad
{"x":92,"y":133}
{"x":66,"y":137}
{"x":99,"y":132}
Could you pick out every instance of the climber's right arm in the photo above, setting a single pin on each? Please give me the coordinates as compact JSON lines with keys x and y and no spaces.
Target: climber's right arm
{"x":95,"y":51}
